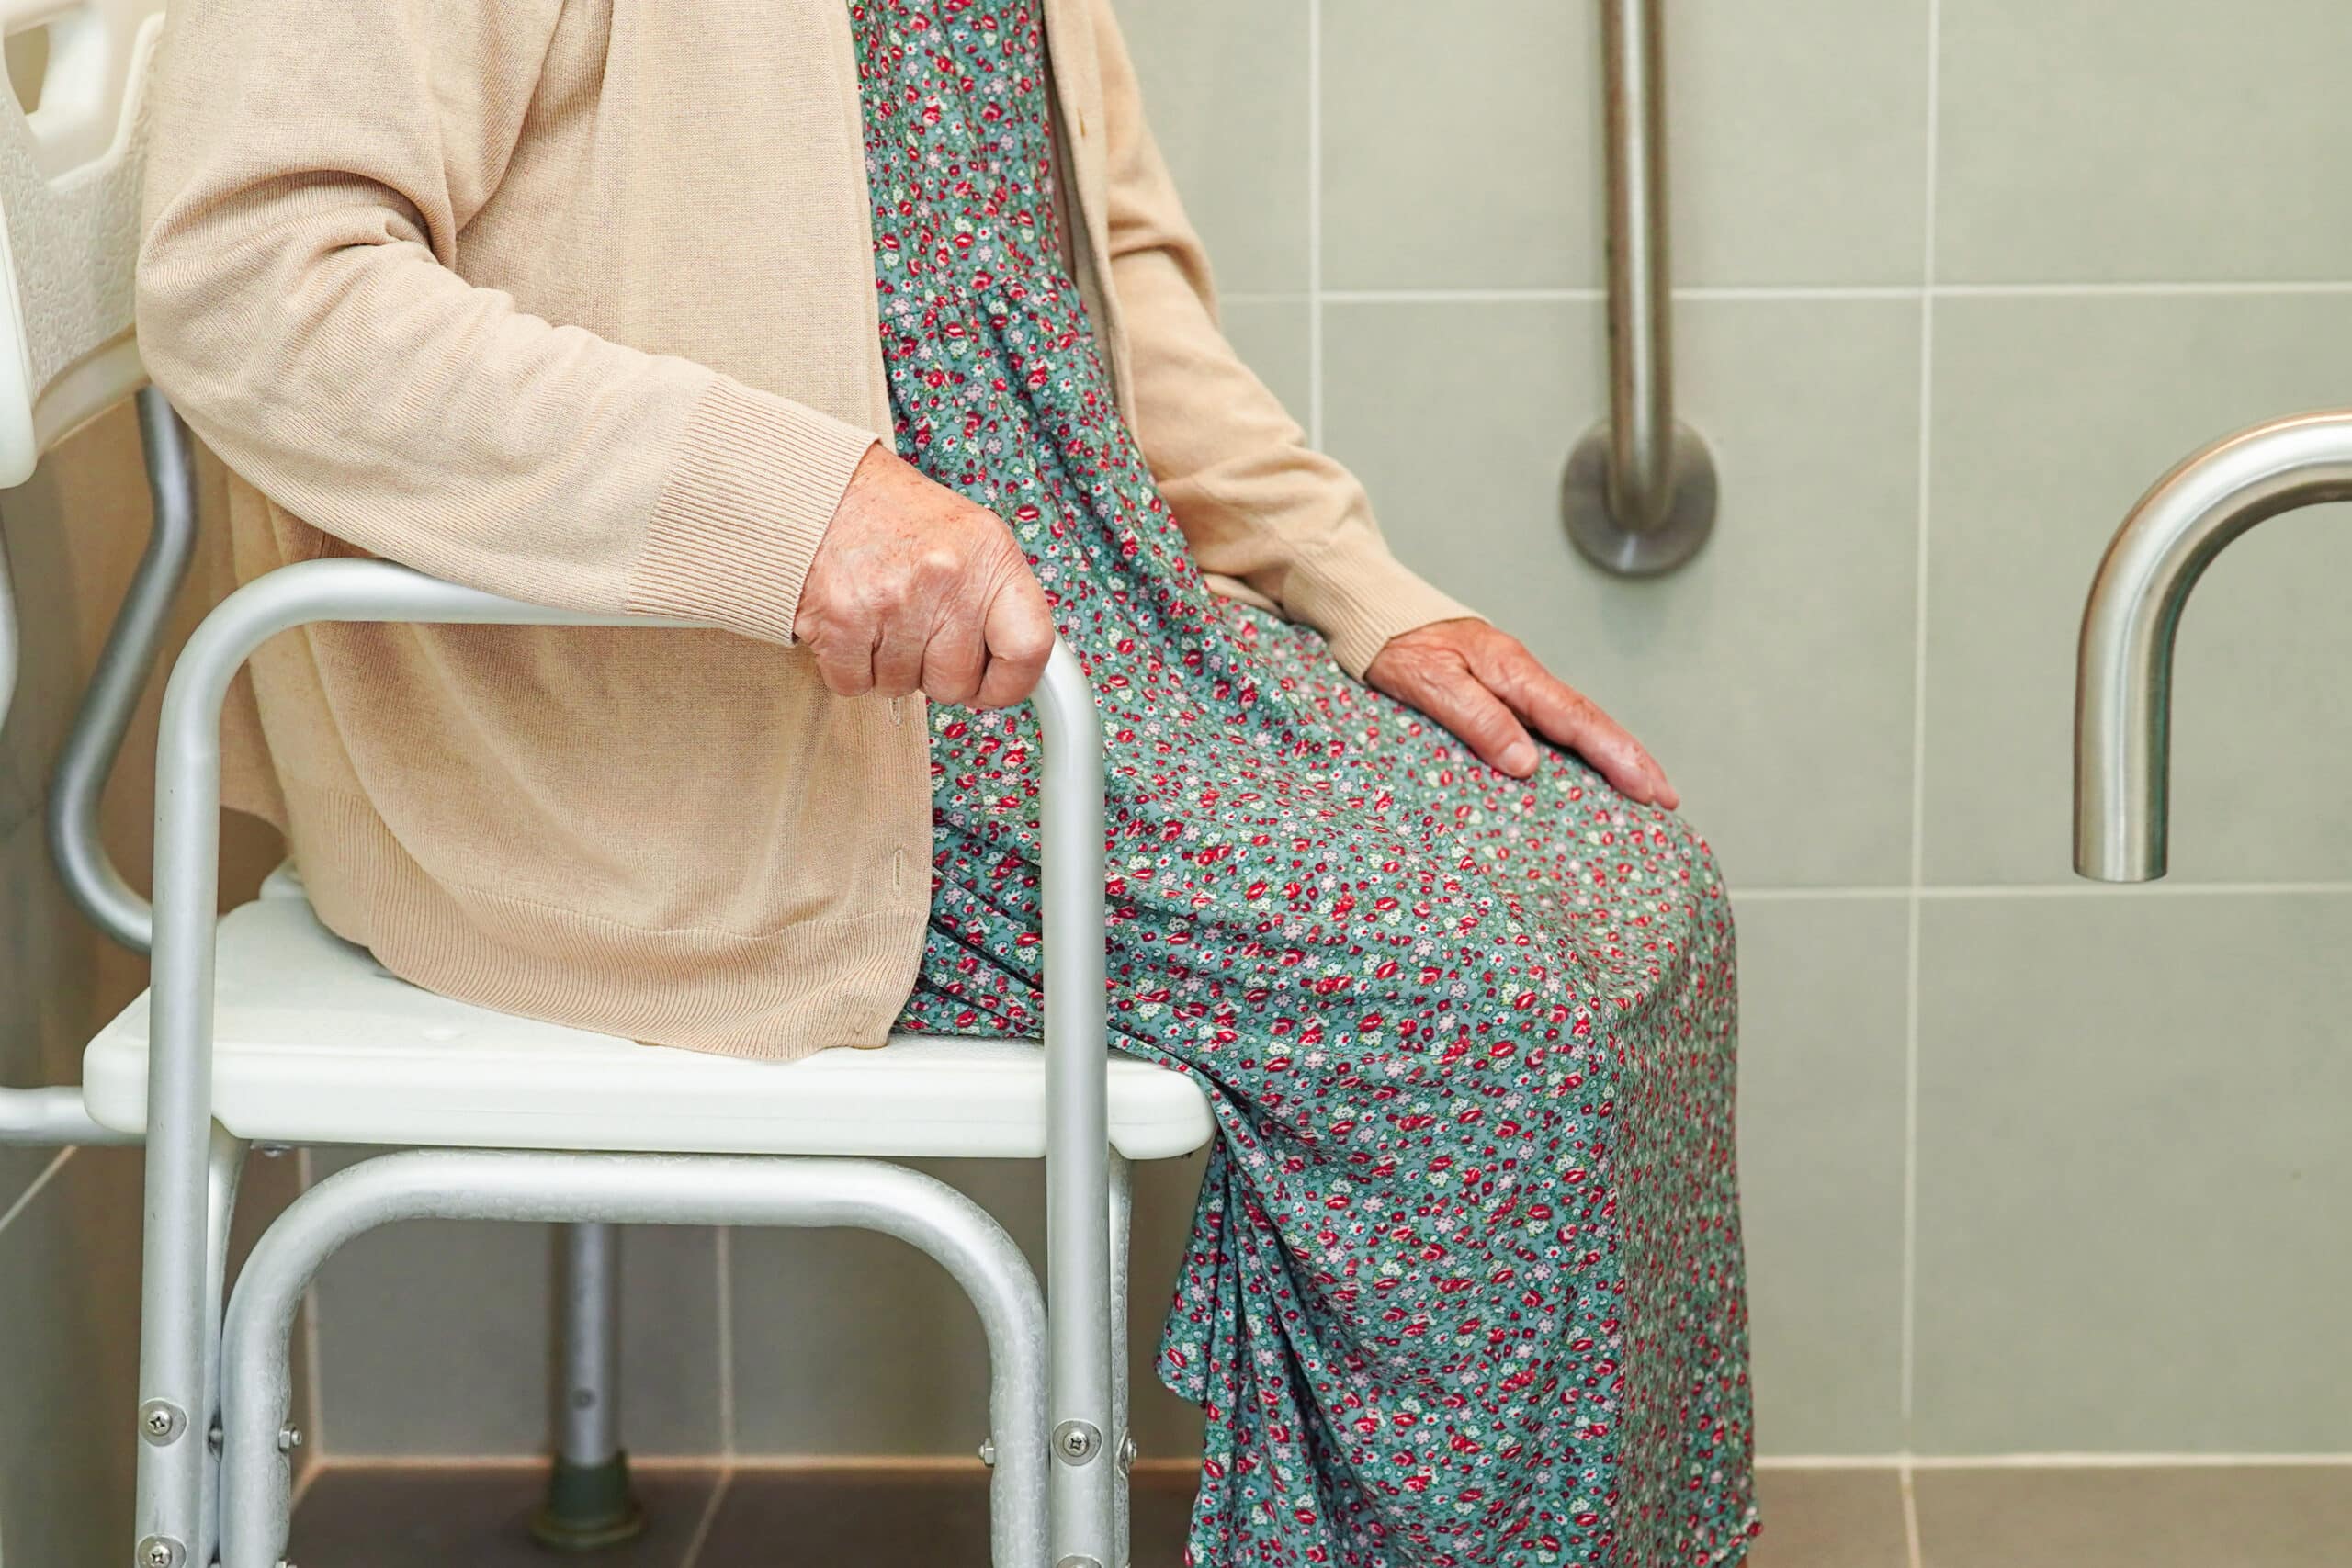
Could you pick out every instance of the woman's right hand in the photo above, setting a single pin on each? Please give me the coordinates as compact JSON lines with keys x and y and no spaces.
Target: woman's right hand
{"x":914,"y":588}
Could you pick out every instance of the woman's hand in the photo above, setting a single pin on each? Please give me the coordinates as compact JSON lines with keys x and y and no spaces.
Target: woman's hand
{"x":1488,"y":689}
{"x":915,"y":588}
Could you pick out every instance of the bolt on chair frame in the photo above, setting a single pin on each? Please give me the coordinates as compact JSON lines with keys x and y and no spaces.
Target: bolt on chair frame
{"x":1067,"y":1511}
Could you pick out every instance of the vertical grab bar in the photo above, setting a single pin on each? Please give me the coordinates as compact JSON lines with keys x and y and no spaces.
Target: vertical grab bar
{"x":1639,"y":494}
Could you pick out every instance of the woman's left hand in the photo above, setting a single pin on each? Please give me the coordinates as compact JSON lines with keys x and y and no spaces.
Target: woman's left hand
{"x":1484,"y":686}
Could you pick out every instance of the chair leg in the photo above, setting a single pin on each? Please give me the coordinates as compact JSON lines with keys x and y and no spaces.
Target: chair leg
{"x":589,"y":1501}
{"x":629,"y":1190}
{"x":178,"y":1475}
{"x":224,"y":1171}
{"x":1122,"y":1173}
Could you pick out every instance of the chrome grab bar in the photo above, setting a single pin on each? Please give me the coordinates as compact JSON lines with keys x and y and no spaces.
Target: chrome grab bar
{"x":2124,"y":672}
{"x":1639,"y":494}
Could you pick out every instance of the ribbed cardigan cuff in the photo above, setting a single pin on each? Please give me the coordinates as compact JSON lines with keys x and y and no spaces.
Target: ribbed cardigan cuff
{"x":1360,"y":598}
{"x":755,"y":480}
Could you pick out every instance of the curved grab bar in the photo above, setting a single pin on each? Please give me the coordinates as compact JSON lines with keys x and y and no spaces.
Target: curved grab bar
{"x":53,"y":1116}
{"x":2123,"y":671}
{"x":124,"y":665}
{"x":1639,"y":494}
{"x":179,"y":1074}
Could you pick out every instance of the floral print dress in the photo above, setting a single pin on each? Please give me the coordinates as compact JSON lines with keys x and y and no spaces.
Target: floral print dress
{"x":1464,"y":1283}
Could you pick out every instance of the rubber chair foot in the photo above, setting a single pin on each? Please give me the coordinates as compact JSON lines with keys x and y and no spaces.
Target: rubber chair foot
{"x":588,"y":1507}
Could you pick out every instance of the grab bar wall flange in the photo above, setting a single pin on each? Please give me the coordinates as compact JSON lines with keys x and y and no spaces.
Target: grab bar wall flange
{"x":1639,"y":492}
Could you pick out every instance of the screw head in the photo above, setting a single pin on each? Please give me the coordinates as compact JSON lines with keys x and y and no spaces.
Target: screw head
{"x":160,"y":1421}
{"x":988,"y":1453}
{"x":288,"y":1439}
{"x":1077,"y":1441}
{"x":1126,"y":1454}
{"x":159,"y":1552}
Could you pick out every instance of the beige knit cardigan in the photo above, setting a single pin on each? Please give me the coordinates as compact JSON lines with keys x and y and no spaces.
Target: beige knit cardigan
{"x":573,"y":300}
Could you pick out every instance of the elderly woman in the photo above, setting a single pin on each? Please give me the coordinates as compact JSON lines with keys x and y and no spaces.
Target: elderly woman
{"x":872,"y":333}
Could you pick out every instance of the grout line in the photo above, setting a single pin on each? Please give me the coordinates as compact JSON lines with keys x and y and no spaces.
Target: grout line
{"x":1459,"y":296}
{"x":962,"y":1464}
{"x":1263,"y":297}
{"x":740,"y":1464}
{"x":1908,"y":1331}
{"x":302,"y":1484}
{"x":2134,"y":1461}
{"x":1963,"y":891}
{"x":1315,"y":295}
{"x":709,"y":1516}
{"x":1833,"y":292}
{"x":726,"y":1249}
{"x":1814,"y":895}
{"x":1905,"y":1480}
{"x":2139,"y":890}
{"x":2132,"y":290}
{"x":32,"y":1189}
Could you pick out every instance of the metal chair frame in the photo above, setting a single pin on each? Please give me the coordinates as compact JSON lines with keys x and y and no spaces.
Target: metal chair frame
{"x":1071,"y":1506}
{"x":588,"y":1493}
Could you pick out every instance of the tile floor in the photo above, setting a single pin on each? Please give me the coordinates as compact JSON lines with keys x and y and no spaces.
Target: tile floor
{"x":2240,"y":1518}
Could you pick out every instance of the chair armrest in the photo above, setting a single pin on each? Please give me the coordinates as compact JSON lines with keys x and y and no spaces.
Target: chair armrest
{"x":179,"y":1062}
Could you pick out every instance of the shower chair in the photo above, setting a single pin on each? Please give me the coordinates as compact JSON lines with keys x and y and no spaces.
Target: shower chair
{"x":260,"y":1027}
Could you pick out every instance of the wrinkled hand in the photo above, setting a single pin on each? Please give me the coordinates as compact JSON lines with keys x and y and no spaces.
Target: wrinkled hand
{"x":915,"y":588}
{"x":1488,"y":689}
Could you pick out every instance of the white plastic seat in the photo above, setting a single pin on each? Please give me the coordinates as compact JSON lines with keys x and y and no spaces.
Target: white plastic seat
{"x":315,"y":1043}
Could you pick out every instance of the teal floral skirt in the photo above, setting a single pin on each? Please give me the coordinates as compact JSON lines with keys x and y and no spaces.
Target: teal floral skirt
{"x":1464,"y":1284}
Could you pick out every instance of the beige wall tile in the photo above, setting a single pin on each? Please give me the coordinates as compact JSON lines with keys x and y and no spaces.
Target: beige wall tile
{"x":1271,"y":338}
{"x":1461,"y":143}
{"x":433,"y":1338}
{"x":2051,"y":417}
{"x":1224,"y":86}
{"x":1821,"y":1087}
{"x":1772,"y":676}
{"x":2133,"y":1174}
{"x":2167,"y":142}
{"x":856,"y":1344}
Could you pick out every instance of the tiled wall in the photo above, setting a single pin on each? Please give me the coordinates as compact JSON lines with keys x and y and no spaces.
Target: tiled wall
{"x":2030,"y":1166}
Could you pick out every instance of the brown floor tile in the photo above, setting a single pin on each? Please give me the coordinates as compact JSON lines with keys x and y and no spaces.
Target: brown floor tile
{"x":476,"y":1519}
{"x":1830,"y":1519}
{"x":2273,"y":1516}
{"x":907,"y":1519}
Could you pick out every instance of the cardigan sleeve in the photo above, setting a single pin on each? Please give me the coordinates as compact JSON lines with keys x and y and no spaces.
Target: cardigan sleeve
{"x":1254,"y":500}
{"x":313,"y":165}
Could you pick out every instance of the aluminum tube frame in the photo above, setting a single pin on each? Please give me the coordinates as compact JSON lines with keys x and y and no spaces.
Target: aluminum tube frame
{"x":188,"y":790}
{"x":723,"y":1190}
{"x":588,"y":1421}
{"x":1123,"y":1206}
{"x":2123,"y":669}
{"x":9,"y":636}
{"x":124,"y":666}
{"x":51,"y":1118}
{"x":55,"y":1116}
